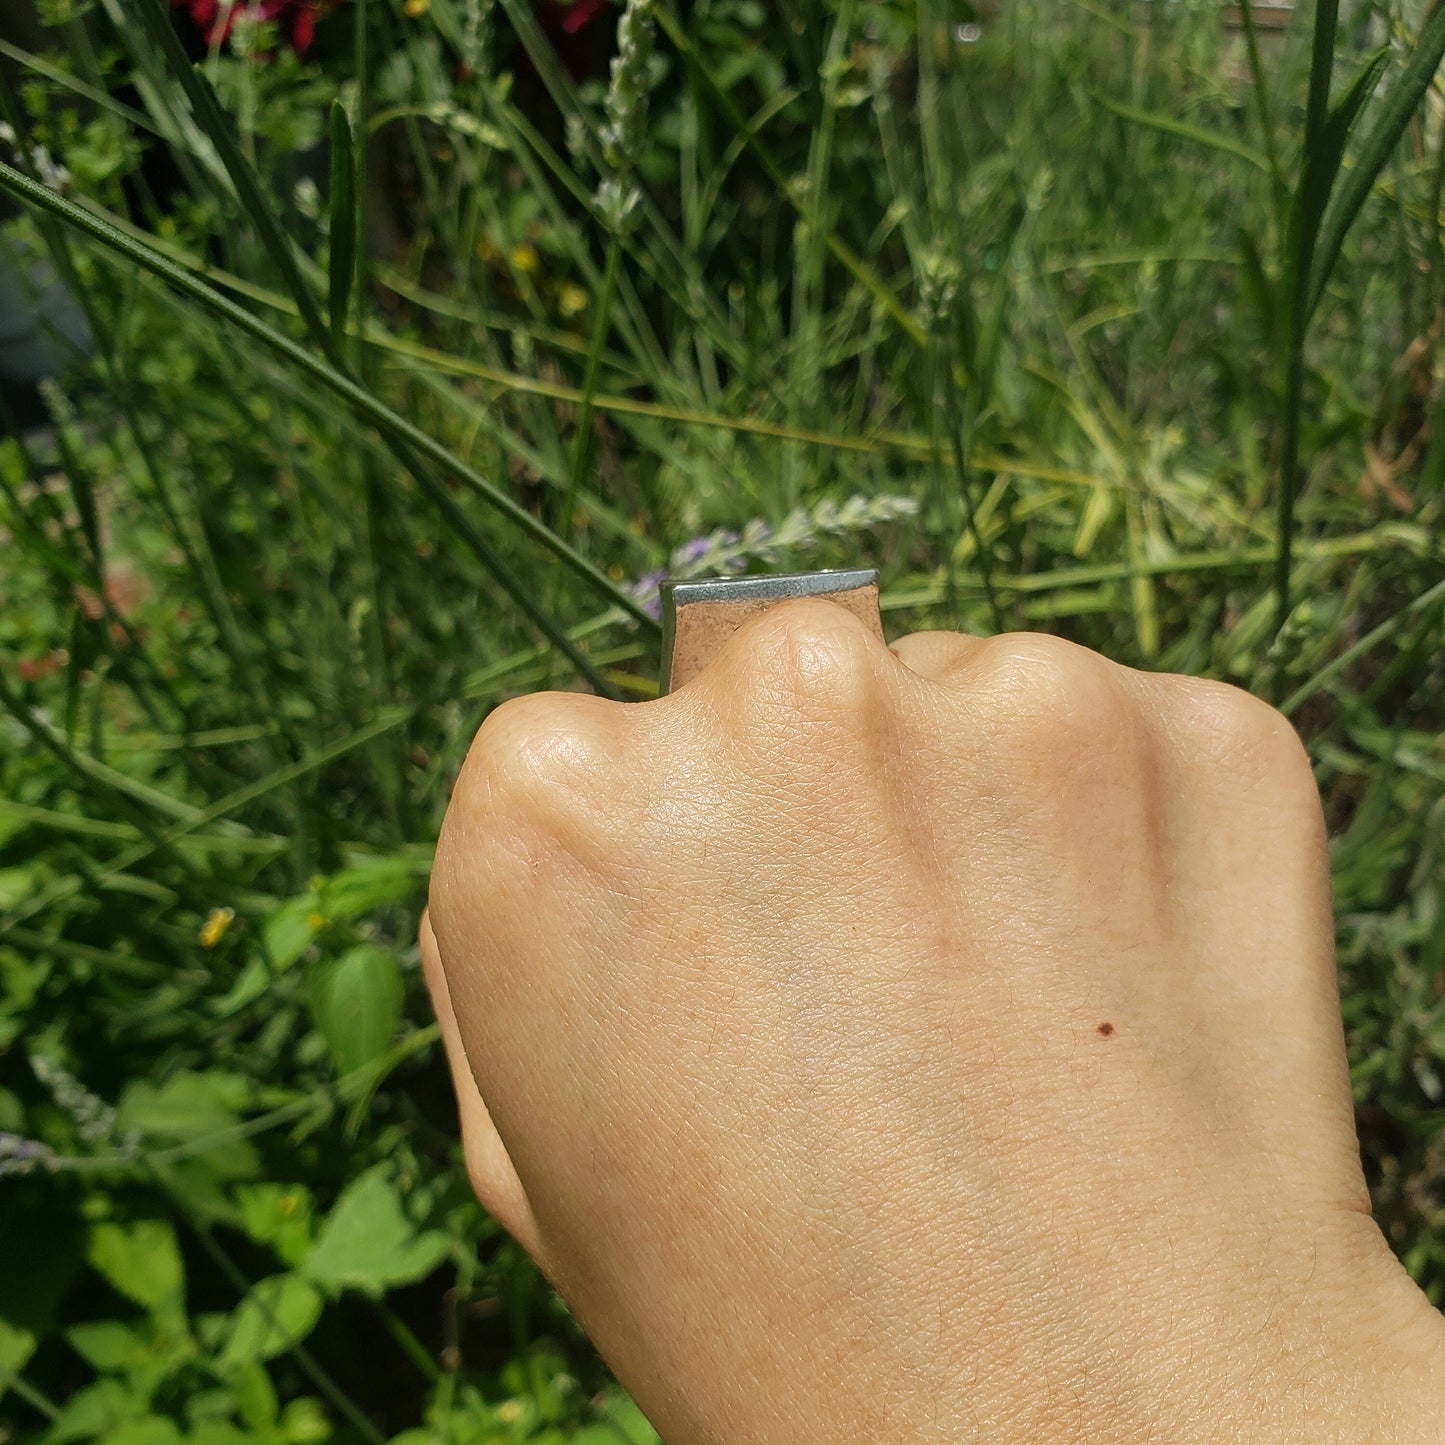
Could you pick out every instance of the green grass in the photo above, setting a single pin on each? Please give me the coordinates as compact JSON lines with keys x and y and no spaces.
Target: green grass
{"x":1065,"y":308}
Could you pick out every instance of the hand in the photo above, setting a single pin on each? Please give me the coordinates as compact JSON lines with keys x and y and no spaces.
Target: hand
{"x":929,"y":1044}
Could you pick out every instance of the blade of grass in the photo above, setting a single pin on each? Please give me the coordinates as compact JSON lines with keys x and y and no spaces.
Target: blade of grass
{"x":1401,"y":102}
{"x":341,"y":268}
{"x":382,"y":416}
{"x":404,"y":439}
{"x":73,"y":83}
{"x":1371,"y":639}
{"x":219,"y":129}
{"x":1308,"y":206}
{"x":789,"y":189}
{"x":1211,"y":139}
{"x":1259,"y":82}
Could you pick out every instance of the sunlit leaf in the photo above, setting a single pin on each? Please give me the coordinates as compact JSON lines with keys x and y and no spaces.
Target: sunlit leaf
{"x":367,"y":1243}
{"x":280,"y":1311}
{"x":141,"y":1260}
{"x":356,"y":1001}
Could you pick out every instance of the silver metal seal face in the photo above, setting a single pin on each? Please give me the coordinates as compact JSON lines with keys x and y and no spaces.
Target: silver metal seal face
{"x":699,"y":616}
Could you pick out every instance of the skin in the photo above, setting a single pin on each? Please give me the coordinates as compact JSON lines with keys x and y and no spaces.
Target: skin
{"x":936,"y":1043}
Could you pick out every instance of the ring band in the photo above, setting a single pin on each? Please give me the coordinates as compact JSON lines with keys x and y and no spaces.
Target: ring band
{"x":698,"y":617}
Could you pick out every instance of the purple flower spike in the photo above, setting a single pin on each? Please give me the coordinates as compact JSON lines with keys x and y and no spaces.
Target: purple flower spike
{"x":645,"y":591}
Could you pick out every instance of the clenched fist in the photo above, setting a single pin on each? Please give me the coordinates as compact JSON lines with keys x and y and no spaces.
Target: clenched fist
{"x":928,"y":1044}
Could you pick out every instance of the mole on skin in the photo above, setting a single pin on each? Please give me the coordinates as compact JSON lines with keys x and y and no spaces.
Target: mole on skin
{"x":1106,"y":1029}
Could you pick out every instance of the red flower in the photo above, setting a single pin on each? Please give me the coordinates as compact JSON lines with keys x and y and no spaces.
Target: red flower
{"x":579,"y":13}
{"x":295,"y":18}
{"x":580,"y":33}
{"x":32,"y":669}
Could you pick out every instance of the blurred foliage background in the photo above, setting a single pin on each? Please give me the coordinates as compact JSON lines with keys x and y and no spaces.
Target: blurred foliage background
{"x":369,"y":361}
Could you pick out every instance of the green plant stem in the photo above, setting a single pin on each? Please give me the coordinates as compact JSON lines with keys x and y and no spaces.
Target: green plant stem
{"x":42,"y":1404}
{"x":408,"y":1342}
{"x":953,"y":405}
{"x":1259,"y":83}
{"x":1300,"y":245}
{"x":582,"y":441}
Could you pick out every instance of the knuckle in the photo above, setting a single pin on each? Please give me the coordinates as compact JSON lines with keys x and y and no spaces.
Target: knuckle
{"x":538,"y":763}
{"x":1237,"y":734}
{"x":812,"y":656}
{"x":1055,"y":706}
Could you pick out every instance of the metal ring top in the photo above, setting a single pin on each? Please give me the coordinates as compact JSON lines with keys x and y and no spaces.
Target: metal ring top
{"x":699,"y":616}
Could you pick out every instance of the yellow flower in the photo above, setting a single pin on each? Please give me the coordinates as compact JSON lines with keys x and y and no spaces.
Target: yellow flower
{"x":315,"y":921}
{"x":417,"y":8}
{"x":213,"y":930}
{"x":525,"y":258}
{"x":571,"y":298}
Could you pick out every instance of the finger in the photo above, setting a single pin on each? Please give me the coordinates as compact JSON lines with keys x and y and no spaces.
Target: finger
{"x":489,"y":1167}
{"x":940,"y":656}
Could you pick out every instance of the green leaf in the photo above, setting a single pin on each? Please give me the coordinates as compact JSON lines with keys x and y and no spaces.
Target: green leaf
{"x":1399,"y":104}
{"x":139,"y":1260}
{"x":305,"y":1422}
{"x":278,"y":1215}
{"x":1213,"y":139}
{"x":256,"y":1401}
{"x":373,"y":883}
{"x":1257,"y":285}
{"x":622,"y":1414}
{"x":356,"y":1001}
{"x":152,"y":1430}
{"x":198,"y":1109}
{"x":342,"y":269}
{"x":1326,"y":151}
{"x":348,"y":894}
{"x":107,"y":1346}
{"x":368,"y":1243}
{"x":290,"y":930}
{"x":94,"y":1413}
{"x":16,"y":1348}
{"x":253,"y":980}
{"x":277,"y":1313}
{"x":16,"y":885}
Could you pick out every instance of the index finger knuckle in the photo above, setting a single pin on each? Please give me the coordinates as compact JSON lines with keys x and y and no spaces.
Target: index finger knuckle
{"x":540,"y":764}
{"x":812,"y":658}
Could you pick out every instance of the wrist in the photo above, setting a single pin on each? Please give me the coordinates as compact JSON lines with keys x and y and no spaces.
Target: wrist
{"x":1363,"y":1365}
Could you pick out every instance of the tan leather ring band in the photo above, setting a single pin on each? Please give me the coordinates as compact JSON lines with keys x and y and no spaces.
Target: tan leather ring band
{"x":699,"y":617}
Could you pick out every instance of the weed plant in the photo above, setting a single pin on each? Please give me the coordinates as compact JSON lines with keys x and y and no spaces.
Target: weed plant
{"x":415,"y":361}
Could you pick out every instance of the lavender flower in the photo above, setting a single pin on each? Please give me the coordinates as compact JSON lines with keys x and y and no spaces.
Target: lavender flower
{"x":95,"y":1118}
{"x":476,"y":41}
{"x":19,"y":1155}
{"x":645,"y":590}
{"x":625,"y":133}
{"x":49,"y":171}
{"x":725,"y":550}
